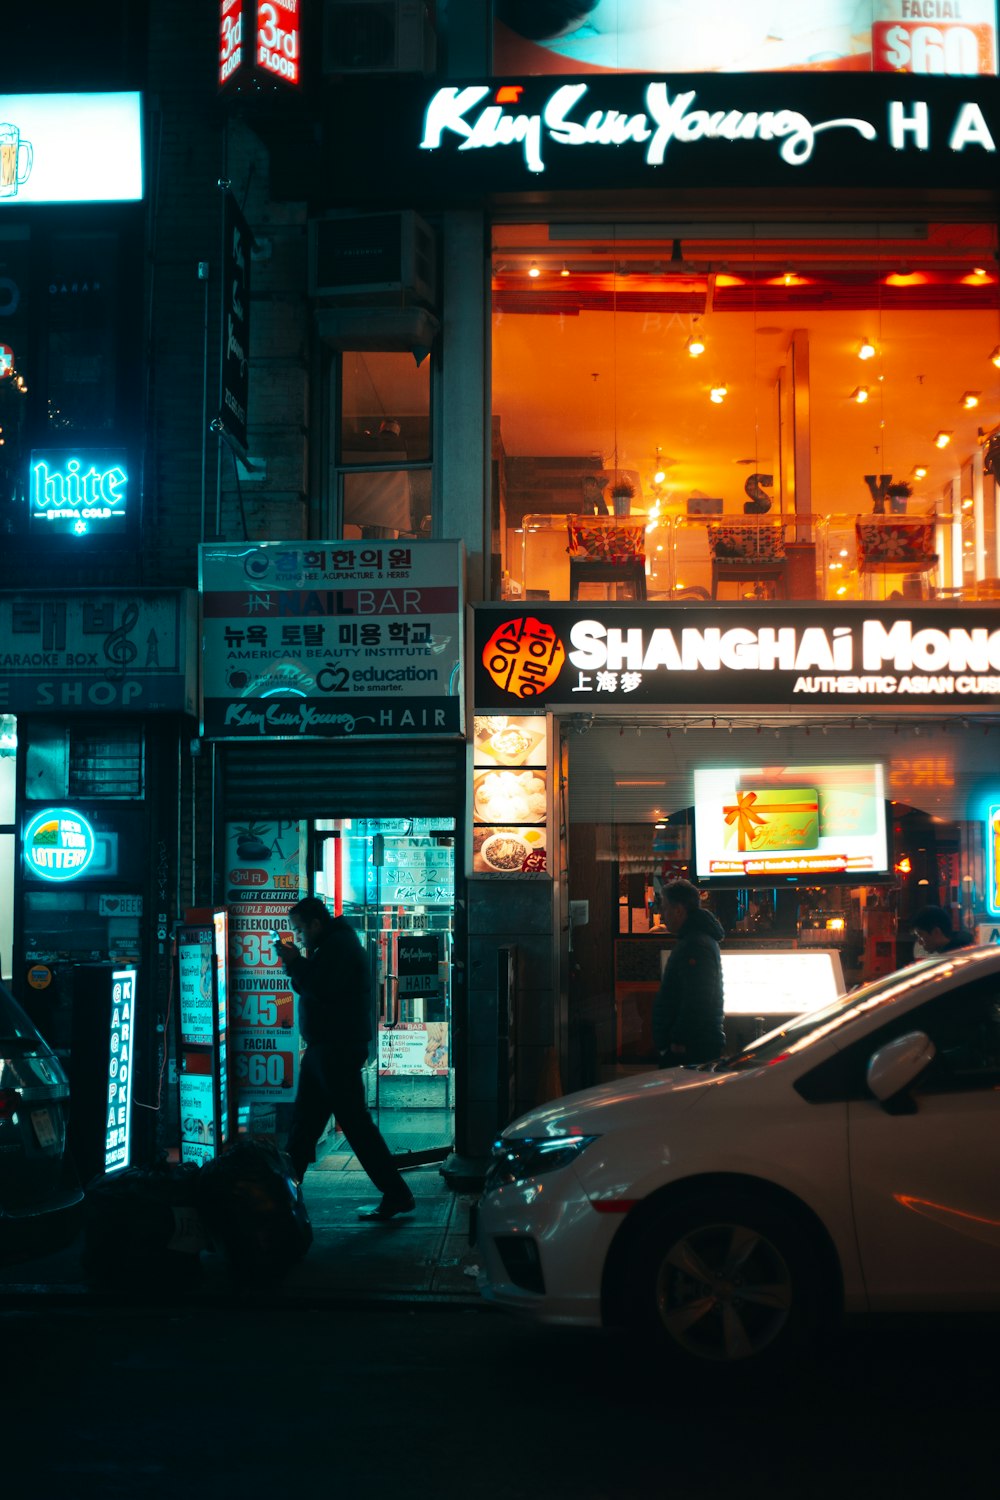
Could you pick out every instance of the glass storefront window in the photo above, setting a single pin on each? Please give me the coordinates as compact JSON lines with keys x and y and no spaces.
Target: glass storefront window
{"x":774,"y":412}
{"x":385,"y":445}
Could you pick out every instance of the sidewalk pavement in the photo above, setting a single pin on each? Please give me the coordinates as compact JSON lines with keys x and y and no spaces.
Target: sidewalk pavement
{"x":423,"y":1257}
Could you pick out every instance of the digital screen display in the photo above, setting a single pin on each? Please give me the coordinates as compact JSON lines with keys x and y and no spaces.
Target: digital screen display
{"x":780,"y":984}
{"x":800,"y":823}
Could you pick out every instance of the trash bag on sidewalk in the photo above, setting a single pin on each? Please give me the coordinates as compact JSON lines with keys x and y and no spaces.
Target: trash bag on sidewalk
{"x":142,"y":1229}
{"x":253,"y":1209}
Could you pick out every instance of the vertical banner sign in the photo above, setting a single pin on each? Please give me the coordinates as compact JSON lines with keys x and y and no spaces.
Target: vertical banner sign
{"x":277,"y":49}
{"x":993,"y":861}
{"x":230,"y":40}
{"x":118,"y":1122}
{"x":270,"y":53}
{"x":265,"y":871}
{"x":235,"y":357}
{"x":203,"y":964}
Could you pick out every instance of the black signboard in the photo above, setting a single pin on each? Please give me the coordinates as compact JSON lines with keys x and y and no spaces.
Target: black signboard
{"x":418,"y":140}
{"x":235,"y":356}
{"x":866,"y":657}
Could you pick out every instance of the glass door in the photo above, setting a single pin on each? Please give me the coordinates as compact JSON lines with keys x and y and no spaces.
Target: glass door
{"x":394,"y":878}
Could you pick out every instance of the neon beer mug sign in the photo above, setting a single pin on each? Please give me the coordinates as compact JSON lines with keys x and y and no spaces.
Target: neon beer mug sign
{"x":78,"y":494}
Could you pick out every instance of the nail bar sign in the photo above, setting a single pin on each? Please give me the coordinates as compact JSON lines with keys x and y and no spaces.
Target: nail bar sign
{"x":79,"y":493}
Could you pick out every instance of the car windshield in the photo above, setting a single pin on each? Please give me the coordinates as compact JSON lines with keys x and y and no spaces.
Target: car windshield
{"x":822,"y":1025}
{"x":14,"y":1024}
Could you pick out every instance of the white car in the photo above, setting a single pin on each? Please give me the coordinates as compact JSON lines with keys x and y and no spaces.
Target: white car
{"x":847,"y":1162}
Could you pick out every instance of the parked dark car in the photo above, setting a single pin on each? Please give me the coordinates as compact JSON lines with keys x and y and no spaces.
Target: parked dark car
{"x":40,"y":1194}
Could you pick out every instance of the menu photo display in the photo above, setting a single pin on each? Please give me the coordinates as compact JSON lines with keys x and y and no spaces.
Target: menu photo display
{"x":510,"y":793}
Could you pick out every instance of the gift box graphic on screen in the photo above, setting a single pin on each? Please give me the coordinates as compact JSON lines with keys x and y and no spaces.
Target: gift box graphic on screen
{"x":773,"y":818}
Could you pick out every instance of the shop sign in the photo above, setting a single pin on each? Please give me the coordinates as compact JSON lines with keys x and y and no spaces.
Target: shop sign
{"x":336,"y":640}
{"x":70,"y":148}
{"x":59,"y":844}
{"x":872,"y":658}
{"x":98,"y":649}
{"x":82,"y":494}
{"x":413,"y":1049}
{"x":671,"y":118}
{"x":118,"y":1119}
{"x":234,"y":355}
{"x":273,"y":50}
{"x":510,"y":795}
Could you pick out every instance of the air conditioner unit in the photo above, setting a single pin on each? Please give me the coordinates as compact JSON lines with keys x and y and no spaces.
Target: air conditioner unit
{"x":370,"y":253}
{"x":377,"y":36}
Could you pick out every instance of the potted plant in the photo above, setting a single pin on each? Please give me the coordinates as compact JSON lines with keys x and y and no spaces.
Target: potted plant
{"x":622,"y":495}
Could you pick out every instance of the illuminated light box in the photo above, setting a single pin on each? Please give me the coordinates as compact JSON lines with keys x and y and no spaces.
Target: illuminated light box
{"x":118,"y":1120}
{"x":784,"y":983}
{"x":59,"y":844}
{"x":993,"y":861}
{"x":70,"y":148}
{"x":792,"y":823}
{"x":258,"y":39}
{"x":78,"y":492}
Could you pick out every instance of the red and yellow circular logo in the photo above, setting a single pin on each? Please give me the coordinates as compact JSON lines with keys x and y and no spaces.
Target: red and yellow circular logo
{"x":524,"y":657}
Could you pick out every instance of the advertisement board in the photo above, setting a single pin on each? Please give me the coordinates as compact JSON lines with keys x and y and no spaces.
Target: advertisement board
{"x":70,"y":148}
{"x":121,"y":1028}
{"x":265,"y":871}
{"x":729,"y":36}
{"x":332,"y":640}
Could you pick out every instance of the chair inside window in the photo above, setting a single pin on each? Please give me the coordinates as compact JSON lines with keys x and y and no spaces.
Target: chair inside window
{"x":895,"y":544}
{"x":607,"y":558}
{"x":749,"y":552}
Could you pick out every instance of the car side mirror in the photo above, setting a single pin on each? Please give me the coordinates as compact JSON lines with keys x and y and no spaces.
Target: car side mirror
{"x":894,"y":1067}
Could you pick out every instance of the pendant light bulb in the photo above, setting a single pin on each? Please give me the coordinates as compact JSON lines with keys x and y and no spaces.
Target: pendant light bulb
{"x":695,"y":345}
{"x":860,"y":394}
{"x":867,"y":350}
{"x":942,"y":439}
{"x":995,"y":357}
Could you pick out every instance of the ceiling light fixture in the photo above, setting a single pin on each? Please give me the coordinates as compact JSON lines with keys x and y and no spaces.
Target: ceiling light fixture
{"x":533,"y":271}
{"x":860,"y":394}
{"x":788,"y":276}
{"x":995,"y":357}
{"x":695,"y":345}
{"x":970,"y":399}
{"x":565,"y":270}
{"x":920,"y":471}
{"x":867,"y":350}
{"x":942,"y":439}
{"x":718,"y":394}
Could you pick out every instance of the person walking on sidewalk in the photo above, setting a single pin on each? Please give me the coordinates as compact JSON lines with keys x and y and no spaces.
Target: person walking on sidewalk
{"x":332,"y":981}
{"x":688,"y":1009}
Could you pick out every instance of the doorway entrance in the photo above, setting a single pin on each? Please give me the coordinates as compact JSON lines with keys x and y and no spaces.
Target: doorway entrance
{"x":394,"y":879}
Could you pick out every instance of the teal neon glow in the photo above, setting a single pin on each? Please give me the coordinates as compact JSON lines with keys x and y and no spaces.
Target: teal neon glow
{"x":118,"y":1118}
{"x":59,"y":844}
{"x":992,"y":861}
{"x":74,"y":497}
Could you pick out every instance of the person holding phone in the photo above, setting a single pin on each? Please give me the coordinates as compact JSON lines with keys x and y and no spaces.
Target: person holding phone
{"x":332,"y":981}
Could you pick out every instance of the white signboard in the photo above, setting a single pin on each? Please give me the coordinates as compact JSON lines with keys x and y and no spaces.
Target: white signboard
{"x":70,"y":148}
{"x":781,"y":984}
{"x":333,"y":640}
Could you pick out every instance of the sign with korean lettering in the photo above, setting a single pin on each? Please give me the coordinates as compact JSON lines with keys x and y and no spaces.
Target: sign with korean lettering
{"x":100,"y":649}
{"x":869,"y":657}
{"x":118,"y":1117}
{"x":265,"y":871}
{"x":335,"y":640}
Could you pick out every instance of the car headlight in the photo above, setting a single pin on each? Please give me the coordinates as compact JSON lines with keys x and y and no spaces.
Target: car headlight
{"x":518,"y":1158}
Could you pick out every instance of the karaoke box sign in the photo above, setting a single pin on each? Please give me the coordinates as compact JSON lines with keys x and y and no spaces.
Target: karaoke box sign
{"x":332,"y":640}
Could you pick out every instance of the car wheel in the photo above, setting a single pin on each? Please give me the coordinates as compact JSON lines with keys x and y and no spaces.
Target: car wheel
{"x":727,"y":1280}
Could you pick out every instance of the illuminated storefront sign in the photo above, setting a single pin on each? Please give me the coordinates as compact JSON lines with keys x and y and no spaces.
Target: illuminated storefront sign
{"x":275,"y":47}
{"x":118,"y":1120}
{"x":70,"y":148}
{"x":477,"y":118}
{"x":59,"y":844}
{"x":78,"y":494}
{"x":864,"y":657}
{"x":993,"y":861}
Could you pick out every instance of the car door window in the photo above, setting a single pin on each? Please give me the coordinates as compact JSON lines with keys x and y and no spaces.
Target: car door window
{"x":963,"y":1024}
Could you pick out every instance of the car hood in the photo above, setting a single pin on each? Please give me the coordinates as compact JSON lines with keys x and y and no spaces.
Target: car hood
{"x":598,"y":1110}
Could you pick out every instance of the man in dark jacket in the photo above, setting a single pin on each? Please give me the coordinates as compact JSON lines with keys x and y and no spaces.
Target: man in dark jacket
{"x":687,"y":1011}
{"x":332,"y":982}
{"x":934,"y":932}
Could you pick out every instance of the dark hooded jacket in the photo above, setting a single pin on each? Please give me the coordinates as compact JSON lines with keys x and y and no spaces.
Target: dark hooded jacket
{"x":688,"y":1008}
{"x":334,"y":986}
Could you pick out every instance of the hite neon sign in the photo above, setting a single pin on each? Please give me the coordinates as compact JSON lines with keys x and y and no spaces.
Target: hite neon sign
{"x":71,"y":498}
{"x":665,"y":119}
